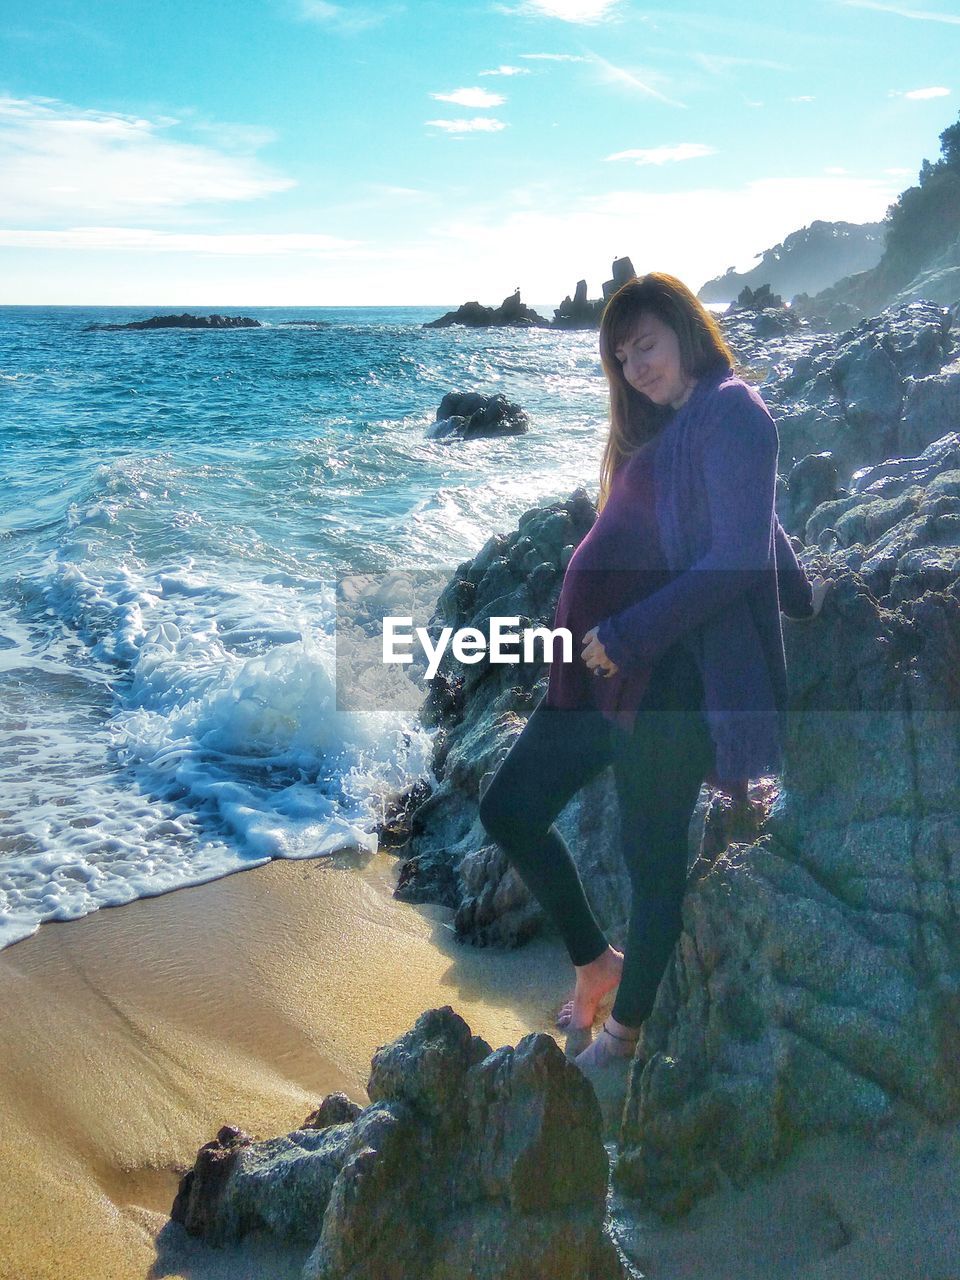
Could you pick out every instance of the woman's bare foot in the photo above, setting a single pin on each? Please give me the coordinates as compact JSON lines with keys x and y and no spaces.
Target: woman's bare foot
{"x":594,"y":981}
{"x":613,"y":1042}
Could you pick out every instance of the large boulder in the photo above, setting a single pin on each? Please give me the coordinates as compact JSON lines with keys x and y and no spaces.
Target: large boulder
{"x":816,"y":986}
{"x":468,"y":1164}
{"x":466,"y":414}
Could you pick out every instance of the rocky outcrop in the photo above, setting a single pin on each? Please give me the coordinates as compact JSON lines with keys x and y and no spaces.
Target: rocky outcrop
{"x":817,"y":984}
{"x":468,"y":1163}
{"x":885,"y":389}
{"x":579,"y":312}
{"x":512,"y":313}
{"x":465,"y":415}
{"x":477,"y":711}
{"x":184,"y":321}
{"x":807,"y":261}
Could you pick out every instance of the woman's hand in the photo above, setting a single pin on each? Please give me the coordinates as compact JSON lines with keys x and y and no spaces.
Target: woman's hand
{"x":595,"y":656}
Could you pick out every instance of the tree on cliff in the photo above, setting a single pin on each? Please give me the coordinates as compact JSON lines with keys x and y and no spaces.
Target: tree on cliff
{"x":925,"y":219}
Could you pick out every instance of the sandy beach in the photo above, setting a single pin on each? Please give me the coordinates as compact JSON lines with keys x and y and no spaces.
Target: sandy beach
{"x":129,"y":1037}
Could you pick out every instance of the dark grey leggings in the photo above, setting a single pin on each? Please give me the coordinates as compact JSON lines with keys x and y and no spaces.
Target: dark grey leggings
{"x":658,"y":770}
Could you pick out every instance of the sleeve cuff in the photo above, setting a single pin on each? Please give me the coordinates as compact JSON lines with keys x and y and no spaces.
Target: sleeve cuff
{"x":613,"y":647}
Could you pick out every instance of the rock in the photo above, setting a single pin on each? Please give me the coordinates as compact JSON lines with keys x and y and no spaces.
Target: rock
{"x":817,"y":982}
{"x":466,"y":1163}
{"x":578,"y":312}
{"x":621,"y":271}
{"x":184,"y":321}
{"x":816,"y":986}
{"x":511,"y":312}
{"x":885,"y":389}
{"x":465,"y":415}
{"x":336,"y":1108}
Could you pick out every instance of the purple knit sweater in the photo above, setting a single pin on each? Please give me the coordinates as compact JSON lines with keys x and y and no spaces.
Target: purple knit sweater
{"x":714,"y":468}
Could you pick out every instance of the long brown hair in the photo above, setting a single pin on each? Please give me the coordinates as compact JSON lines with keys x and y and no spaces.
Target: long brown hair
{"x":633,"y":418}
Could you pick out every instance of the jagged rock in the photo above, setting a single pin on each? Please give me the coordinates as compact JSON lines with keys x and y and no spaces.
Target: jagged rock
{"x":336,"y":1108}
{"x":511,"y":313}
{"x":184,"y":321}
{"x":467,"y":1163}
{"x":885,"y":389}
{"x":817,"y":983}
{"x":621,"y":271}
{"x":578,"y":312}
{"x":467,"y":414}
{"x":478,"y":710}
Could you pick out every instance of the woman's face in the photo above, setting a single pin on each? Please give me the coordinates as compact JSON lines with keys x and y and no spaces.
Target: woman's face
{"x":650,"y":359}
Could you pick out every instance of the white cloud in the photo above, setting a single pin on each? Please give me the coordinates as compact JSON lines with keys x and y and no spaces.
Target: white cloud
{"x":803,"y":97}
{"x":612,"y":74}
{"x":693,"y":234}
{"x":923,"y":15}
{"x":505,"y":70}
{"x":899,"y":173}
{"x":479,"y":124}
{"x":141,"y":239}
{"x":582,"y":11}
{"x":58,"y":160}
{"x":338,"y":16}
{"x":471,"y":98}
{"x":935,"y":91}
{"x":545,"y":247}
{"x":665,"y":155}
{"x":836,"y":169}
{"x":553,"y":57}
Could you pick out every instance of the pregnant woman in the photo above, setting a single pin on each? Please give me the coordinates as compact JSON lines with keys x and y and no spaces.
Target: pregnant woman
{"x":675,"y":596}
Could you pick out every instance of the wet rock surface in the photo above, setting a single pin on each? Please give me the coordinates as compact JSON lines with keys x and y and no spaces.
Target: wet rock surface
{"x":465,"y":415}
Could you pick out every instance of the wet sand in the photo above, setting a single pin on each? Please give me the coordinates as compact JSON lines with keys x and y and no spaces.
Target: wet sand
{"x":128,"y":1038}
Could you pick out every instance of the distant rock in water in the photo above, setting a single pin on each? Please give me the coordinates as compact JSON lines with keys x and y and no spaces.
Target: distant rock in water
{"x":579,"y":312}
{"x":467,"y":414}
{"x":807,"y":261}
{"x":510,"y":313}
{"x":186,"y":321}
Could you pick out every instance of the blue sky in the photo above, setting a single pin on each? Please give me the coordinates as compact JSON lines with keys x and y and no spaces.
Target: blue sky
{"x":230,"y":152}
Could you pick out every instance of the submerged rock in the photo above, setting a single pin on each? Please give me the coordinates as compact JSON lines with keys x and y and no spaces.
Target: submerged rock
{"x":184,"y":321}
{"x":467,"y":1163}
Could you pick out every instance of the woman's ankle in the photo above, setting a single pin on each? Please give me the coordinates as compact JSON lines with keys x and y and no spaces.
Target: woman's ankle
{"x":620,"y":1030}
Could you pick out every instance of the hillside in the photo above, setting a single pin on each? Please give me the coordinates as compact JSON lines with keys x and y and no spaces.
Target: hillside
{"x":806,"y":262}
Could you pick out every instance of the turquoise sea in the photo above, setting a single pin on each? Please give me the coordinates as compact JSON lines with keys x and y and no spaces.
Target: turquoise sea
{"x":179,"y":511}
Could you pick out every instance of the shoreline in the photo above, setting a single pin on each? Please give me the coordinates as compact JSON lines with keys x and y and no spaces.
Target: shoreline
{"x":132,"y":1035}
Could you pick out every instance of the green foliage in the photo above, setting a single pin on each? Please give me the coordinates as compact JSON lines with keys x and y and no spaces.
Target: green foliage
{"x":925,"y":219}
